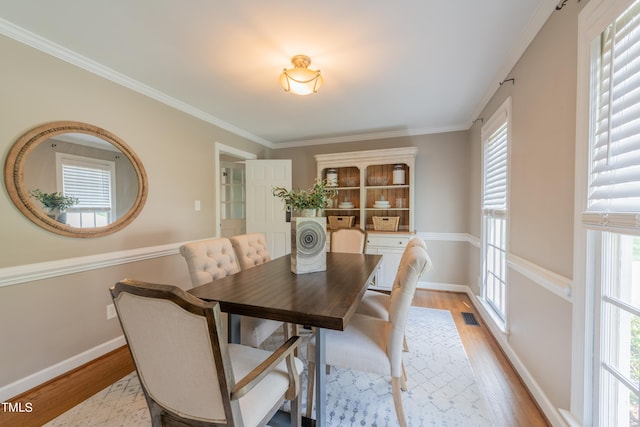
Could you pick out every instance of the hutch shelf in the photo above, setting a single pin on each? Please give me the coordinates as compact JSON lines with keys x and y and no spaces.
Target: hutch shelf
{"x":375,"y":183}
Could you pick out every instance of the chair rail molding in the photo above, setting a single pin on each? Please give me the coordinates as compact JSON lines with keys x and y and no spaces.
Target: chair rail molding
{"x":48,"y":269}
{"x":553,"y":282}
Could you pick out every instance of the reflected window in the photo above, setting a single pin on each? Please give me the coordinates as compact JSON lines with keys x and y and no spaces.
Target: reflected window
{"x":92,"y":181}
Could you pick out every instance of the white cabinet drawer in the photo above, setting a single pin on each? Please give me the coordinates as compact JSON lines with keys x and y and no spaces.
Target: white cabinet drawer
{"x":391,"y":241}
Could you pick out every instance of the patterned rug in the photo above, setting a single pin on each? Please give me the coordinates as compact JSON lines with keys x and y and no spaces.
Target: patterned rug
{"x":442,"y":388}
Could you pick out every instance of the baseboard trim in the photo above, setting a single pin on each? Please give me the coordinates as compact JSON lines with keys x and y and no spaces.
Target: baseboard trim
{"x":41,"y":377}
{"x":448,"y":287}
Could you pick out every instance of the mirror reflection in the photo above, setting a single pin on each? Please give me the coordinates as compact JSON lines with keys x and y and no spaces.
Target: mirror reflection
{"x":75,"y":179}
{"x":80,"y":180}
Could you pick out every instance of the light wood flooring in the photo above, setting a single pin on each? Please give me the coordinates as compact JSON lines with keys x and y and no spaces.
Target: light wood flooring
{"x":508,"y":399}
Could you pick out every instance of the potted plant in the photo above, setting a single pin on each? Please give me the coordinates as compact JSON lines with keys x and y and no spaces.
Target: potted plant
{"x":55,"y":204}
{"x":306,"y":202}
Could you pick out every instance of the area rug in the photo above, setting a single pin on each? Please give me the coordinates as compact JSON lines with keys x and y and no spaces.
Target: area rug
{"x":442,"y":387}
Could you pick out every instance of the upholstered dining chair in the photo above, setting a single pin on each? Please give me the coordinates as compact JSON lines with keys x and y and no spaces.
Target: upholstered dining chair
{"x":251,"y":249}
{"x":189,"y":374}
{"x":213,"y":259}
{"x":375,"y":345}
{"x":209,"y":259}
{"x":352,"y":240}
{"x":375,"y":303}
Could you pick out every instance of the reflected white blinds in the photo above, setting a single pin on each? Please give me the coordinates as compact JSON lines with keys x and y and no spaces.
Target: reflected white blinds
{"x":92,"y":186}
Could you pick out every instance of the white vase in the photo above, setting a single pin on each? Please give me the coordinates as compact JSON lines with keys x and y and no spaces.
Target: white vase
{"x":308,"y":213}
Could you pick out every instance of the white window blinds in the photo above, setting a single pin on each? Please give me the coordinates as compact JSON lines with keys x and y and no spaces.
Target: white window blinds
{"x":495,"y":175}
{"x":614,"y":181}
{"x":92,"y":186}
{"x":89,"y":179}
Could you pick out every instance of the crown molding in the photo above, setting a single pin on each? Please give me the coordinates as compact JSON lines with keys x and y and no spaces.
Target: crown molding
{"x":44,"y":45}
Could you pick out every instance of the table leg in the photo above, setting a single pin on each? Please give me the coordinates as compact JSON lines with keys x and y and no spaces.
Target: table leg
{"x":233,"y":328}
{"x":321,"y":378}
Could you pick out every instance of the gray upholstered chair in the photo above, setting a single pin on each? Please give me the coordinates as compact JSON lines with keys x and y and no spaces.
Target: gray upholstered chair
{"x":251,"y":249}
{"x":375,"y":345}
{"x":213,"y":259}
{"x":351,"y":240}
{"x":189,"y":374}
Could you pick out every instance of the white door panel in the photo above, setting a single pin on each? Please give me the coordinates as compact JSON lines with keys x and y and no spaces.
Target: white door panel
{"x":265,"y":213}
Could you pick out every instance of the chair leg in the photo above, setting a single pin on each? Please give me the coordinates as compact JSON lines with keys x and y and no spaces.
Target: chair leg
{"x":296,"y":411}
{"x":311,"y":387}
{"x":397,"y":401}
{"x":404,"y":376}
{"x":405,"y":347}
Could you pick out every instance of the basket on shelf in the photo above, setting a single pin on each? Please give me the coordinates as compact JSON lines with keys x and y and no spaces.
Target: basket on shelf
{"x":336,"y":222}
{"x":385,"y":223}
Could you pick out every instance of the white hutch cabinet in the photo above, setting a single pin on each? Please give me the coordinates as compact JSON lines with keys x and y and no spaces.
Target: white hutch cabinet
{"x":376,"y":187}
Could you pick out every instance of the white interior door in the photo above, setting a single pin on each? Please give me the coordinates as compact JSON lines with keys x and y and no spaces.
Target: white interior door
{"x":266,"y":213}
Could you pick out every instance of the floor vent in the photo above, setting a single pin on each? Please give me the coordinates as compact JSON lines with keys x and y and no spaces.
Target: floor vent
{"x":470,"y":319}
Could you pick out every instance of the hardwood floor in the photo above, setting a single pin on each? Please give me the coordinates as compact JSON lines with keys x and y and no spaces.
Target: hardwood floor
{"x":508,"y":399}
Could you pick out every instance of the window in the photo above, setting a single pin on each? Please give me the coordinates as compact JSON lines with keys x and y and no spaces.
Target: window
{"x":611,"y":220}
{"x":232,"y":191}
{"x":92,"y":182}
{"x":495,"y":140}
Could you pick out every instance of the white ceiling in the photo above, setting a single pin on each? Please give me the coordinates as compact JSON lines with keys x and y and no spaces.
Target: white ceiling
{"x":391,"y":68}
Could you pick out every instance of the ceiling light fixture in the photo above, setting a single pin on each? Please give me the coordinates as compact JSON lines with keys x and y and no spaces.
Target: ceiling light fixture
{"x":300,"y":79}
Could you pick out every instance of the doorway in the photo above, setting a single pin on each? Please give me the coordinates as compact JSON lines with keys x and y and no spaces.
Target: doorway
{"x":231,"y":192}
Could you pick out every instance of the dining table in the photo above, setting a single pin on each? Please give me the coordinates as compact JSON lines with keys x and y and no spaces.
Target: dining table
{"x":322,"y":300}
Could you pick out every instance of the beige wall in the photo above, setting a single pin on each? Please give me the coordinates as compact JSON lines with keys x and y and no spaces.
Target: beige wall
{"x":541,"y":197}
{"x":48,"y":321}
{"x":442,"y":175}
{"x":441,"y":191}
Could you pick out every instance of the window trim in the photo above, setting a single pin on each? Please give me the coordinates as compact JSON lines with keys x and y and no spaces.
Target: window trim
{"x":89,"y":162}
{"x":497,"y":120}
{"x":592,"y":20}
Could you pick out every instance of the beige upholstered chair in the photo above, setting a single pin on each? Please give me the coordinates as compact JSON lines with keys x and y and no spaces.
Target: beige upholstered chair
{"x":209,"y":259}
{"x":189,"y":374}
{"x":251,"y":249}
{"x":375,"y":345}
{"x":213,"y":259}
{"x":375,"y":303}
{"x":352,"y":240}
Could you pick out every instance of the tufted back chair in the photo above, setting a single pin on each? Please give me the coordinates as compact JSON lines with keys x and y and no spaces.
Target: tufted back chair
{"x":412,"y":266}
{"x":415,"y":242}
{"x":375,"y":345}
{"x":210,"y":259}
{"x":251,"y":250}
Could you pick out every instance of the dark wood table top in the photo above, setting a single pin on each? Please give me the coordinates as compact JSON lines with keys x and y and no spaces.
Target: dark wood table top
{"x":325,"y":299}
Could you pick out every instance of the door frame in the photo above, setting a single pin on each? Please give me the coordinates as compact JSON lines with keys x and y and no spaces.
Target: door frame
{"x":220,"y":149}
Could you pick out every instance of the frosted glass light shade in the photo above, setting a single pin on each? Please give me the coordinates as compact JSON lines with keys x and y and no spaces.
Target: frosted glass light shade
{"x":300,"y":79}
